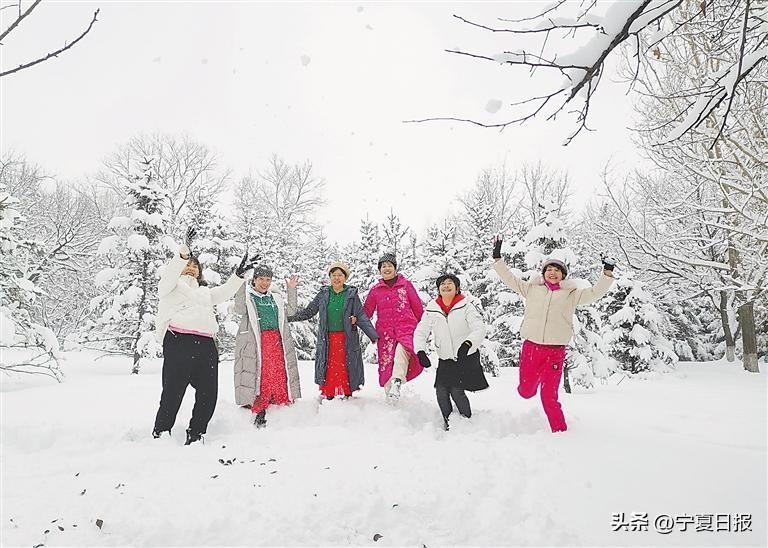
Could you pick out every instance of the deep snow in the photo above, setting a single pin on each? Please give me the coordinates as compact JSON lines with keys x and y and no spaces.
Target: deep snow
{"x":338,"y":473}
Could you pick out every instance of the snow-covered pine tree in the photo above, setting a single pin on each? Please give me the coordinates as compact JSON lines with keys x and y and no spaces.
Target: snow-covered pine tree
{"x":479,"y":223}
{"x":634,"y":330}
{"x":39,"y":349}
{"x":312,"y":271}
{"x":134,"y":254}
{"x":366,"y":259}
{"x":440,"y":254}
{"x":219,"y":252}
{"x":396,"y":238}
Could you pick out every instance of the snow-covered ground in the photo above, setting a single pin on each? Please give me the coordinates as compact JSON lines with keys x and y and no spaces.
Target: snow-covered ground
{"x":689,"y":443}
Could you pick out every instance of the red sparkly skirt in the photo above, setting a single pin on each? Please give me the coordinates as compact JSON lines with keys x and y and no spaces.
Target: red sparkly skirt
{"x":336,"y":375}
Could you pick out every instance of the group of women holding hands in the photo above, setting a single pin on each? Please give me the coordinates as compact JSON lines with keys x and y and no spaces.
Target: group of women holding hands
{"x":266,"y":367}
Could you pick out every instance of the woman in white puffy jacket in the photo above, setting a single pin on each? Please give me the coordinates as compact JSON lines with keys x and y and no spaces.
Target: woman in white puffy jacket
{"x":457,"y":330}
{"x":186,"y":325}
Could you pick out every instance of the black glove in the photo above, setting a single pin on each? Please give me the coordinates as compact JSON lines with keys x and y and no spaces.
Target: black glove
{"x":423,"y":359}
{"x":463,"y":349}
{"x":189,"y":236}
{"x":608,"y":263}
{"x":246,"y":264}
{"x":497,"y":247}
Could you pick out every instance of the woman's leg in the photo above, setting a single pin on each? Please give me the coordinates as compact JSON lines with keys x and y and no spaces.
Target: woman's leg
{"x":444,"y":400}
{"x":550,"y":384}
{"x":205,"y":381}
{"x":529,"y":370}
{"x":176,"y":369}
{"x":462,"y":401}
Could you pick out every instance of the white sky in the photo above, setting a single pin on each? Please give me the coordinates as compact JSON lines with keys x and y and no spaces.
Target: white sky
{"x":233,"y":76}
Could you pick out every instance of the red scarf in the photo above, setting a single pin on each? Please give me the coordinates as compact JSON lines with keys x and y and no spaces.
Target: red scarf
{"x":551,"y":286}
{"x":447,"y":308}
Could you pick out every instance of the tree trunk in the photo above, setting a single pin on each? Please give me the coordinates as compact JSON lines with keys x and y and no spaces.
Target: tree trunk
{"x":748,"y":336}
{"x":730,"y":343}
{"x":566,"y":380}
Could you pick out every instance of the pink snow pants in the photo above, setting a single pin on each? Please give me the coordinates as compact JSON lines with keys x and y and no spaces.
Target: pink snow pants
{"x":541,"y":365}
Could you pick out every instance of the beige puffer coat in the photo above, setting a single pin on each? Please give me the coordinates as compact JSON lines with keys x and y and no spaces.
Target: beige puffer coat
{"x":248,"y":346}
{"x":548,"y":317}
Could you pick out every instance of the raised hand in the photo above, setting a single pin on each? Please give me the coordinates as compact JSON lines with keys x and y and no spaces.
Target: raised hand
{"x":245,"y":265}
{"x":189,"y":235}
{"x":292,"y":282}
{"x":608,"y":262}
{"x":497,"y":241}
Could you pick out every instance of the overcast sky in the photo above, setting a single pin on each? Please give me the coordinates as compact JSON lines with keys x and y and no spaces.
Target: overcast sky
{"x":328,"y":82}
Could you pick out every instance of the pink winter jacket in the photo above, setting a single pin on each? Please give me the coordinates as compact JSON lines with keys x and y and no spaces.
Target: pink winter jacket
{"x":398,"y":312}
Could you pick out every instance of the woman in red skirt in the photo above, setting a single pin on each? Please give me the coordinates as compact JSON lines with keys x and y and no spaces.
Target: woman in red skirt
{"x":338,"y":356}
{"x":266,"y":368}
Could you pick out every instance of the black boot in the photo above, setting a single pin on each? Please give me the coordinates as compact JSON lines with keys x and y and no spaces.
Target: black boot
{"x":261,"y":419}
{"x":157,"y":433}
{"x":192,"y":437}
{"x":446,"y":426}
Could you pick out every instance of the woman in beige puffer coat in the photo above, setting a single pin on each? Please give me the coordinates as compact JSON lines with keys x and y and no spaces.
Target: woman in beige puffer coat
{"x":550,"y":303}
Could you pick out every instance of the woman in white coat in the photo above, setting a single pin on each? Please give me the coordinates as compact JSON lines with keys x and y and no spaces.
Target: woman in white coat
{"x":186,"y":325}
{"x":457,"y":330}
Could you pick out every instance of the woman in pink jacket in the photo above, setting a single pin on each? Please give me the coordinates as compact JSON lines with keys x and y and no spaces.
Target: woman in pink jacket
{"x":398,"y":311}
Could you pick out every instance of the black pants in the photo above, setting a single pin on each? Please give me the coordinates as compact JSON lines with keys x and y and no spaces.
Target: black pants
{"x":189,"y":359}
{"x":444,"y":396}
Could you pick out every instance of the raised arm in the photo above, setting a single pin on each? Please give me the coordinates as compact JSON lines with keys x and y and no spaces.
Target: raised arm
{"x":225,"y":292}
{"x":292,"y":304}
{"x":172,"y":272}
{"x":510,"y":280}
{"x":591,"y":294}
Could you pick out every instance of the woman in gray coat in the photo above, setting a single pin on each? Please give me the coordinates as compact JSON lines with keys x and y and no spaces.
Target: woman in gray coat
{"x":266,"y":368}
{"x":338,"y":357}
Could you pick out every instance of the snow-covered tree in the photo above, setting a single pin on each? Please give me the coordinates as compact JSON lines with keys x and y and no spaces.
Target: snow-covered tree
{"x":366,"y":258}
{"x":39,"y":349}
{"x":644,"y":27}
{"x":219,"y":251}
{"x":134,"y":254}
{"x":185,"y":169}
{"x":634,"y":329}
{"x":396,"y":238}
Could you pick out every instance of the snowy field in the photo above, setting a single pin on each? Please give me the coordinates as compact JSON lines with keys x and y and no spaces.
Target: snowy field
{"x":691,"y":443}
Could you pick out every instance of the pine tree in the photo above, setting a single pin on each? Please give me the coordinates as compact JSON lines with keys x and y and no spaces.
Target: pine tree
{"x":634,"y":328}
{"x":217,"y":248}
{"x":396,"y":238}
{"x":366,"y":260}
{"x":134,"y":254}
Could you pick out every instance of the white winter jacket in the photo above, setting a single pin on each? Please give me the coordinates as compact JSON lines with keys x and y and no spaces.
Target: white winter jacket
{"x":187,"y":305}
{"x":463,"y":323}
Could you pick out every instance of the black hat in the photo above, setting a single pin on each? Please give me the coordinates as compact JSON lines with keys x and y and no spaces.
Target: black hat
{"x":451,"y":277}
{"x":388,"y":258}
{"x":263,"y":271}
